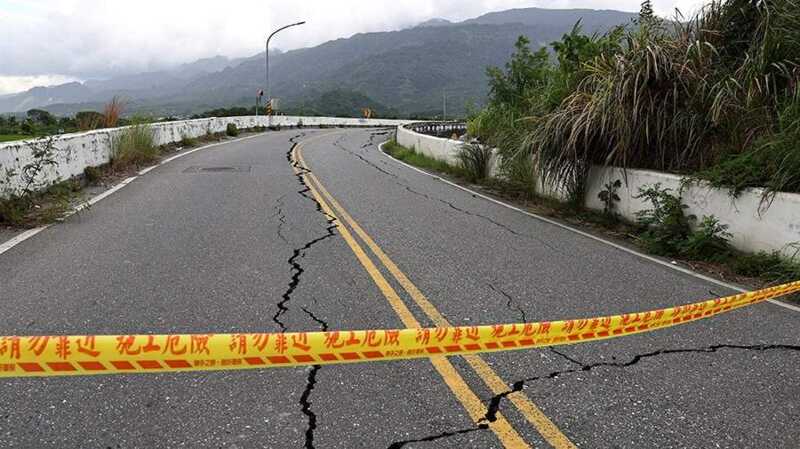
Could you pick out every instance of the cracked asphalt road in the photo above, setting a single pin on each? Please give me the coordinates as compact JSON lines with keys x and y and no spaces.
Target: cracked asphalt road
{"x":191,"y":251}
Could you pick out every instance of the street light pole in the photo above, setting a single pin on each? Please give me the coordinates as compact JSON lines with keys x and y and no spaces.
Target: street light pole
{"x":266,"y":57}
{"x":444,"y":105}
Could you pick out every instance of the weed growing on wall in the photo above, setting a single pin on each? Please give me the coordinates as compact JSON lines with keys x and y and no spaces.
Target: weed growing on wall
{"x":610,"y":198}
{"x":30,"y":202}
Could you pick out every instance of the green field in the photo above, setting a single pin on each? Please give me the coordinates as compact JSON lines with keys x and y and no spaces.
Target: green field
{"x":10,"y":137}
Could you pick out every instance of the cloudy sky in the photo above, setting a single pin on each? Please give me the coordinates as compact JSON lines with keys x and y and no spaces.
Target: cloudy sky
{"x":46,"y":42}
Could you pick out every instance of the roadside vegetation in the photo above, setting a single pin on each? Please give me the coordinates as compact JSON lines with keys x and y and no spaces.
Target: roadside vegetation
{"x":664,"y":229}
{"x":420,"y":160}
{"x":134,"y":146}
{"x":715,"y":98}
{"x":37,"y":202}
{"x":30,"y":203}
{"x":40,"y":123}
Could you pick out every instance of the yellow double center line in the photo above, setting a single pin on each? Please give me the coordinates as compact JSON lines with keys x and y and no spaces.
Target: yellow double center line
{"x":507,"y":435}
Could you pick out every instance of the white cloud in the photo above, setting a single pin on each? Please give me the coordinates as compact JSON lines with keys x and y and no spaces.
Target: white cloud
{"x":11,"y":84}
{"x":100,"y":38}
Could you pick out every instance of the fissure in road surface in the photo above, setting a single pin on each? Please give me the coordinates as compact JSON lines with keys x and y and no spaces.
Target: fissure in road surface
{"x":438,"y":436}
{"x":299,"y":253}
{"x":494,"y":403}
{"x":281,"y":217}
{"x":449,"y":204}
{"x":510,"y":304}
{"x":311,"y":381}
{"x":297,"y":271}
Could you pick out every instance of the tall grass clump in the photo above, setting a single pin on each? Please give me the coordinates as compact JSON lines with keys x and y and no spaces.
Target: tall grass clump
{"x":133,"y":146}
{"x":677,"y":96}
{"x":714,"y":95}
{"x":773,"y":163}
{"x":113,"y":111}
{"x":476,"y":160}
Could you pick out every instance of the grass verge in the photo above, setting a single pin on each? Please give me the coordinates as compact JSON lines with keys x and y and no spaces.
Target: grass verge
{"x":39,"y":208}
{"x":13,"y":137}
{"x":411,"y":157}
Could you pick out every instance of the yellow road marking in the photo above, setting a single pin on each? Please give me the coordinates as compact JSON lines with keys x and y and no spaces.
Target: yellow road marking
{"x":476,"y":409}
{"x":549,"y":431}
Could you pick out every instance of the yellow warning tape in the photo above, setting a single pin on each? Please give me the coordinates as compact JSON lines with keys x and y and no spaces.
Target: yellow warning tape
{"x":111,"y":354}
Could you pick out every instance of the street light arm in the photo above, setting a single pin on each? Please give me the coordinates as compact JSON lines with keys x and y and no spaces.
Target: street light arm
{"x":266,"y":53}
{"x":283,"y":28}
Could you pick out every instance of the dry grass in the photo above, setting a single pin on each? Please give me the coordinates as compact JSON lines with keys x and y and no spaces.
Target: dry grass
{"x":112,"y":112}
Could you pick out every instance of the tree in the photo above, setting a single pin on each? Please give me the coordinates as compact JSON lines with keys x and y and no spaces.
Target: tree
{"x":41,"y":117}
{"x":526,"y":70}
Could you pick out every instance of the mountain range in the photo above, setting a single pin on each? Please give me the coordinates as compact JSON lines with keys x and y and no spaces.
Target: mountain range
{"x":409,"y":71}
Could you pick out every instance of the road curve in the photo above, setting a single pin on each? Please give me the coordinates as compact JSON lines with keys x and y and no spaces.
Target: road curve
{"x":232,"y":239}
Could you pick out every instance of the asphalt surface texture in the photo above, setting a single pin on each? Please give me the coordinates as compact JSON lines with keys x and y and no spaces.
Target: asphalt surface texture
{"x":228,"y":239}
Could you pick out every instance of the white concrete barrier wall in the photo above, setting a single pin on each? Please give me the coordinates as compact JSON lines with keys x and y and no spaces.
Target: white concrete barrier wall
{"x":755,"y":226}
{"x":76,"y":151}
{"x":433,"y":147}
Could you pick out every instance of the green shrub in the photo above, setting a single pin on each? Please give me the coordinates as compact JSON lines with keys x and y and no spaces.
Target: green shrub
{"x":475,"y":159}
{"x":666,"y":230}
{"x":133,"y":146}
{"x":773,"y":266}
{"x":708,"y":242}
{"x":92,"y":174}
{"x":187,"y":141}
{"x":231,"y":130}
{"x":665,"y":226}
{"x":13,"y":210}
{"x":39,"y":207}
{"x":518,"y":175}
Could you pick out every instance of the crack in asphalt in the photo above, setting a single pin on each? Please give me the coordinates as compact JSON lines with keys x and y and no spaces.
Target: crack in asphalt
{"x":297,"y":271}
{"x":338,"y":144}
{"x":311,"y":381}
{"x":439,"y":436}
{"x":565,"y":356}
{"x":495,"y":401}
{"x":483,"y":217}
{"x":510,"y":303}
{"x":372,"y":137}
{"x":281,"y":217}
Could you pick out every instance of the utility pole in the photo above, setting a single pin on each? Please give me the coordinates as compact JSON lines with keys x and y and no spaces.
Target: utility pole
{"x":444,"y":105}
{"x":266,"y":55}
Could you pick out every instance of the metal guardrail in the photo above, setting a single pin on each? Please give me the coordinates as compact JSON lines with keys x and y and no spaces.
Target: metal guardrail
{"x":438,"y":129}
